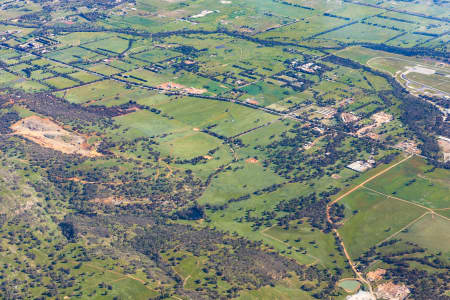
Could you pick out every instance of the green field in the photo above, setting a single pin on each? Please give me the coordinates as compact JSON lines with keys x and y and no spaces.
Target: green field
{"x":376,"y":219}
{"x":412,"y":181}
{"x":429,"y":232}
{"x":197,"y":149}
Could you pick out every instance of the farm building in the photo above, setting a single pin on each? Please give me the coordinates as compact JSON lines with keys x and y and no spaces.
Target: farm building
{"x":360,"y":166}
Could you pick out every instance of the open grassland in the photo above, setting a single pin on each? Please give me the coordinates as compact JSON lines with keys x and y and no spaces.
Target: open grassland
{"x":414,"y":182}
{"x":238,"y":182}
{"x":60,"y":82}
{"x":94,"y":92}
{"x":284,"y":291}
{"x":430,"y":232}
{"x":310,"y":241}
{"x":361,"y":32}
{"x":145,"y":123}
{"x":187,"y":145}
{"x":229,"y":119}
{"x":371,"y":218}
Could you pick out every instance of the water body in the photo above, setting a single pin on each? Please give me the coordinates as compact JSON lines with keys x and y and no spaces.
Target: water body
{"x":349,"y":285}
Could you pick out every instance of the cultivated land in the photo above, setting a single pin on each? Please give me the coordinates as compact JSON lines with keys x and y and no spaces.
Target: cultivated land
{"x":199,"y":149}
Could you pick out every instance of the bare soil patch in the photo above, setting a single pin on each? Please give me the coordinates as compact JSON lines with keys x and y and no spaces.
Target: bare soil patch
{"x":376,"y":275}
{"x":408,"y":146}
{"x":108,"y":200}
{"x":444,"y":144}
{"x":171,"y":86}
{"x":252,"y":160}
{"x":390,"y":290}
{"x":252,"y":101}
{"x":47,"y":133}
{"x":381,"y":117}
{"x":349,"y":117}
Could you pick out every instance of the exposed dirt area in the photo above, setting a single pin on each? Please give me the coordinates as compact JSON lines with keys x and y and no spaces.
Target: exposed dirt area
{"x":252,"y":101}
{"x":379,"y":119}
{"x":444,"y":144}
{"x":376,"y":275}
{"x":108,"y":201}
{"x":408,"y":146}
{"x":252,"y":160}
{"x":361,"y":295}
{"x":171,"y":86}
{"x":47,"y":133}
{"x":208,"y":157}
{"x":349,"y":117}
{"x":392,"y":291}
{"x":374,"y":136}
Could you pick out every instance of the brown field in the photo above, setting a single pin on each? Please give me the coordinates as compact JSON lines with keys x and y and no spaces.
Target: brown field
{"x":48,"y":134}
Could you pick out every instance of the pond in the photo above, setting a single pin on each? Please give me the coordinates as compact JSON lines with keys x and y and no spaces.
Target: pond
{"x":349,"y":285}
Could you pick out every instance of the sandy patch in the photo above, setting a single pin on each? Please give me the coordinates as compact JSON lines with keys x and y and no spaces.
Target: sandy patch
{"x":252,"y":161}
{"x":208,"y":157}
{"x":196,"y":129}
{"x":48,"y":134}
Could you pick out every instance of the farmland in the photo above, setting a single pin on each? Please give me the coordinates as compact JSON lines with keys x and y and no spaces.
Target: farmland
{"x":208,"y":149}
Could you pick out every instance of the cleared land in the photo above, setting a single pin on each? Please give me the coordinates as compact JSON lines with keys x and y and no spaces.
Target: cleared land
{"x":50,"y":135}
